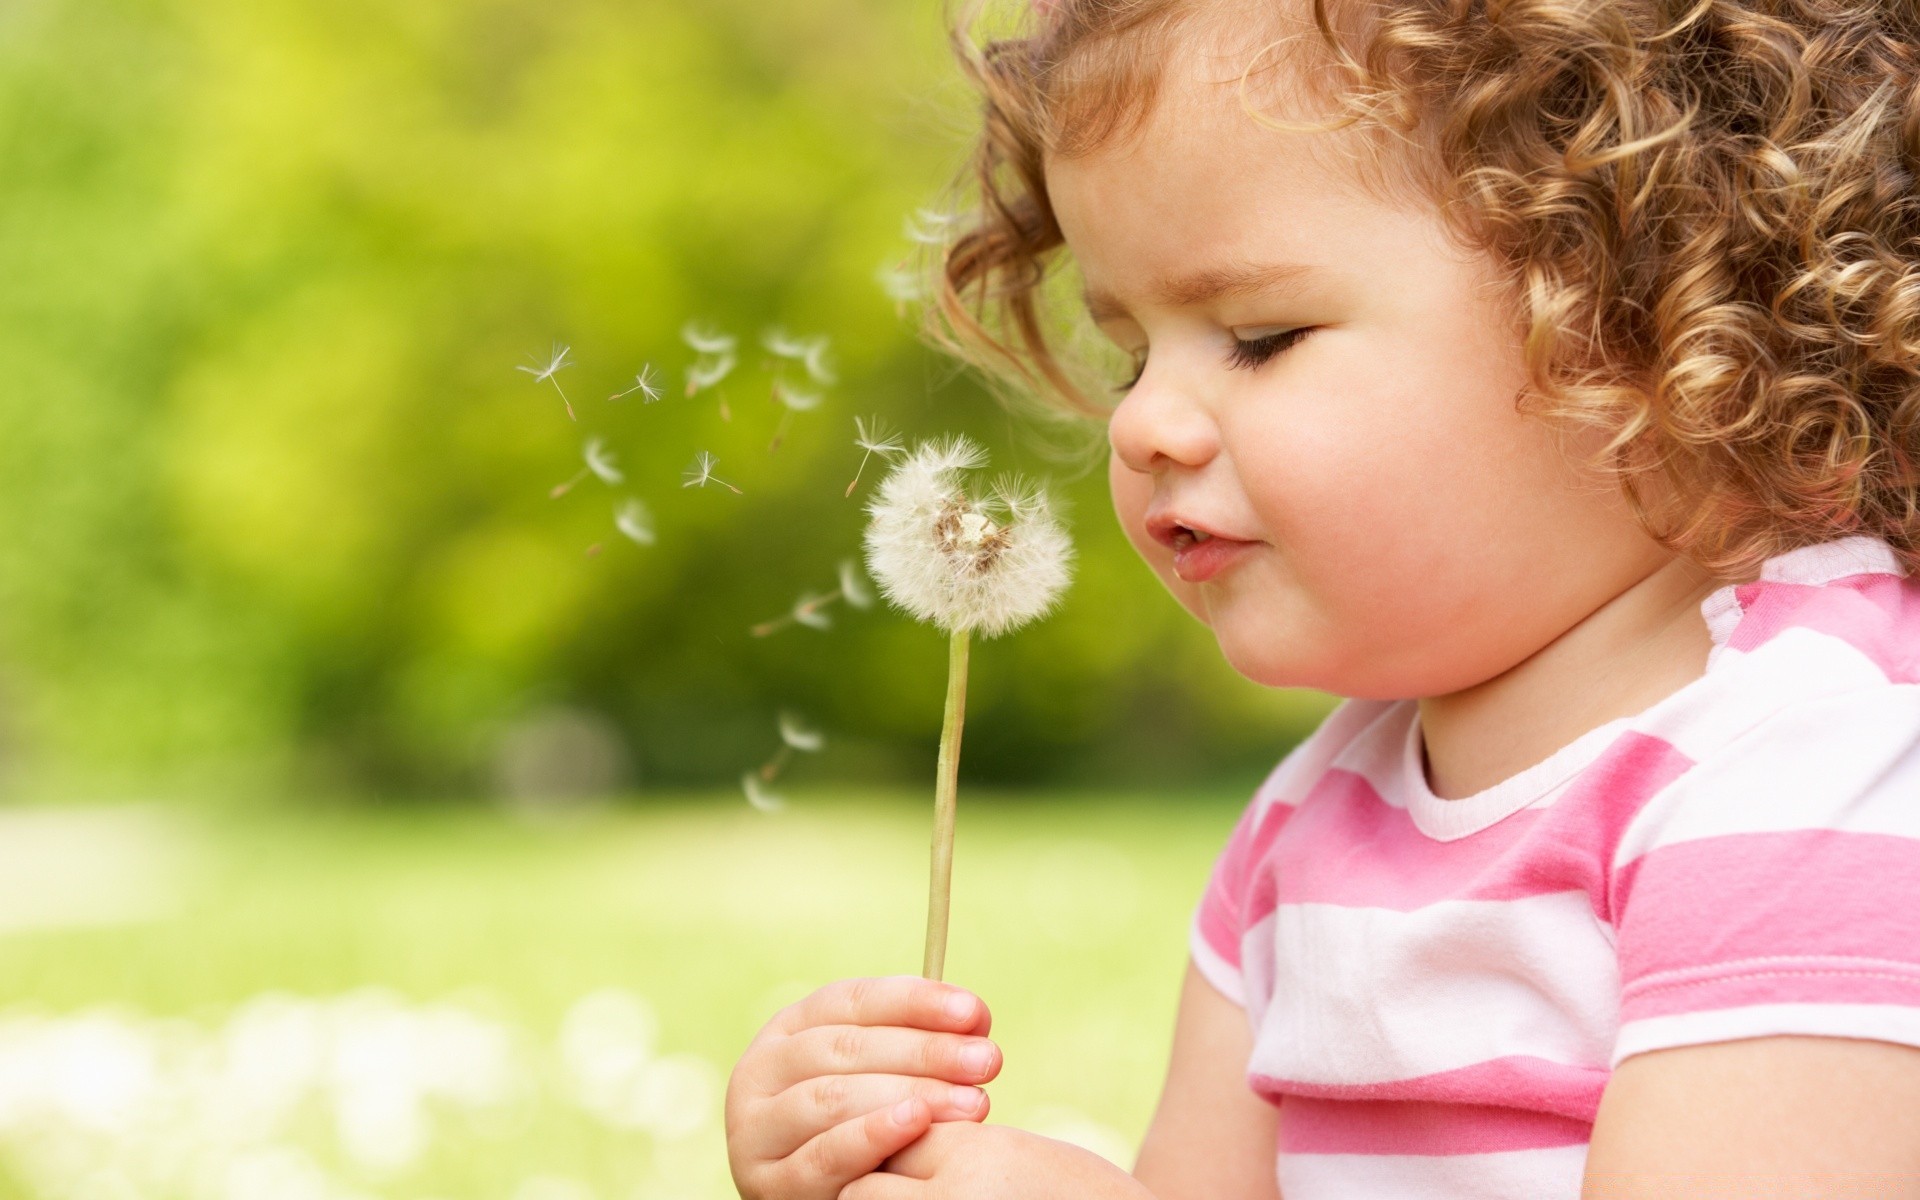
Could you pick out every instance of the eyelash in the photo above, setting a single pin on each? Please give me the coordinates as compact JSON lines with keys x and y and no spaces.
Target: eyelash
{"x":1248,"y":354}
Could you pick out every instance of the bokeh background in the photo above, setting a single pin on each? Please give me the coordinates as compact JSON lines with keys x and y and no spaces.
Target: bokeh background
{"x":373,"y":820}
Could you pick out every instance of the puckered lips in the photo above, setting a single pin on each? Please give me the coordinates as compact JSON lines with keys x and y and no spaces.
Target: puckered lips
{"x":1200,"y":549}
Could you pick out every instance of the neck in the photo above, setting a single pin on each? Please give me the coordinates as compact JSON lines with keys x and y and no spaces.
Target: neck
{"x":1635,"y":650}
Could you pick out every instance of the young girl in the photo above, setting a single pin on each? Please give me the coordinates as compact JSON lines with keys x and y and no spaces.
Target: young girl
{"x":1544,"y":377}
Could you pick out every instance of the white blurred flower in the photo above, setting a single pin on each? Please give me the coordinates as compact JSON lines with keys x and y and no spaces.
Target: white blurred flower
{"x":794,"y":734}
{"x":957,"y":561}
{"x":926,"y":227}
{"x":816,"y":360}
{"x":635,"y":520}
{"x":781,"y":344}
{"x":758,"y":795}
{"x":707,"y":372}
{"x":794,"y":399}
{"x":900,"y":284}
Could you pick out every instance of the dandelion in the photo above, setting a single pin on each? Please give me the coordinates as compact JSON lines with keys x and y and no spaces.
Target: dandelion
{"x":544,"y":373}
{"x":708,"y":341}
{"x":700,"y":473}
{"x":646,"y":383}
{"x":874,"y":439}
{"x":963,"y":563}
{"x":634,"y":521}
{"x":758,"y":795}
{"x":809,"y":609}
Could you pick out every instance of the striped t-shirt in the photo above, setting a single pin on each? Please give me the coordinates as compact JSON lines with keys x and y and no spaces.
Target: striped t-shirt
{"x":1439,"y":989}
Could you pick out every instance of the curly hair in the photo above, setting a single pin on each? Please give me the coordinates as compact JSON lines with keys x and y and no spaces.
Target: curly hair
{"x":1705,"y":209}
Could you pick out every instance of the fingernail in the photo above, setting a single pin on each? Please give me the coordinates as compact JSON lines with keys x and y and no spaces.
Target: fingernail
{"x":967,"y":1099}
{"x":977,"y":1058}
{"x":960,"y":1006}
{"x":903,"y":1113}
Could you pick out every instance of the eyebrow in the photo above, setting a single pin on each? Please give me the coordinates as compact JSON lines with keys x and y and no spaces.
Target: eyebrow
{"x":1213,"y":283}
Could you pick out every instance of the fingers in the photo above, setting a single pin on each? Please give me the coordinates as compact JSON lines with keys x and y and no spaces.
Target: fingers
{"x":829,"y":1162}
{"x":882,"y":1186}
{"x":803,"y":1110}
{"x":906,"y":1000}
{"x":888,"y":1050}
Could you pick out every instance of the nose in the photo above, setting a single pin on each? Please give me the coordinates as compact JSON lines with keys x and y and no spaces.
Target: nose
{"x":1158,"y":425}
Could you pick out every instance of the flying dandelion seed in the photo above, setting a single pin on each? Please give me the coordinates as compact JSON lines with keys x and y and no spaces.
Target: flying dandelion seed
{"x":779,"y":343}
{"x":793,"y":400}
{"x":926,"y":227}
{"x":708,"y":372}
{"x":900,"y":285}
{"x":874,"y":439}
{"x":634,"y":521}
{"x":853,"y":589}
{"x":544,"y":373}
{"x":816,"y":361}
{"x":646,"y":383}
{"x":940,"y":554}
{"x":599,"y":462}
{"x":700,"y":473}
{"x":810,"y":610}
{"x":758,"y":795}
{"x":593,"y":551}
{"x":706,"y":340}
{"x":798,"y":736}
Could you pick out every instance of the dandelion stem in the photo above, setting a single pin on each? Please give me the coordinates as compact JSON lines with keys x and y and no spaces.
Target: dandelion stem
{"x":563,"y":397}
{"x":560,"y":489}
{"x":946,"y":796}
{"x":858,"y":471}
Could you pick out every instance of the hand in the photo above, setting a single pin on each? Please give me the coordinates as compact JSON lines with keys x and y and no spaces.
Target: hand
{"x":994,"y":1162}
{"x":814,"y":1102}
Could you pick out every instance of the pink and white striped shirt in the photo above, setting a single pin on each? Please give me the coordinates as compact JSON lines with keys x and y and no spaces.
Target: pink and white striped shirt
{"x":1439,"y":989}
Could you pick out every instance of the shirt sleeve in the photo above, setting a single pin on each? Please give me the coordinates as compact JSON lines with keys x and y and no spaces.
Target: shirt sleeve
{"x":1219,"y":920}
{"x":1774,"y":888}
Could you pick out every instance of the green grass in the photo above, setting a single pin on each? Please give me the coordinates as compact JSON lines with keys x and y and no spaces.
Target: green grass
{"x":1069,"y":918}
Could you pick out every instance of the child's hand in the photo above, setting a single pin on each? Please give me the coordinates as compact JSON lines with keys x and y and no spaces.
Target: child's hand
{"x":811,"y":1105}
{"x":995,"y":1162}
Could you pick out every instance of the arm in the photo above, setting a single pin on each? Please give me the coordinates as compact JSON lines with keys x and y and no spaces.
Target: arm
{"x":1791,"y":1118}
{"x":1211,"y":1138}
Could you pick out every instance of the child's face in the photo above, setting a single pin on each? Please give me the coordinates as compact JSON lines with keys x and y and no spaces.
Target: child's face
{"x":1404,"y":531}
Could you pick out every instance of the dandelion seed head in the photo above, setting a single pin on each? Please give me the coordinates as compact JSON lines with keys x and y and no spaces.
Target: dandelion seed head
{"x":940,"y":554}
{"x":707,"y":340}
{"x":759,"y":795}
{"x":634,"y":520}
{"x":797,"y":735}
{"x":853,"y":589}
{"x":599,"y":460}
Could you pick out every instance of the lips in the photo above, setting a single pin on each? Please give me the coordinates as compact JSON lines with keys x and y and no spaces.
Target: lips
{"x":1199,"y":551}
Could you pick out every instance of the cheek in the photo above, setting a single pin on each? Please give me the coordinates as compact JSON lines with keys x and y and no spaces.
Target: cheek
{"x":1132,"y":492}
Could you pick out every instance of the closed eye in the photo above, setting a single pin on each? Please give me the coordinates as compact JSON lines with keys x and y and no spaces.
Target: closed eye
{"x":1254,"y":351}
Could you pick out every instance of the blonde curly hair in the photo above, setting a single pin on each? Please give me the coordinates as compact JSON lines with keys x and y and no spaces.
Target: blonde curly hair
{"x":1706,"y":211}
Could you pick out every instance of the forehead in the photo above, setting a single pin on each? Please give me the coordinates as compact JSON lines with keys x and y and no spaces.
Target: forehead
{"x":1200,"y":178}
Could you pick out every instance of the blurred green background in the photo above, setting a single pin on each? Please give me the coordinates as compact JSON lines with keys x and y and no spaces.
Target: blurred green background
{"x":279,"y":563}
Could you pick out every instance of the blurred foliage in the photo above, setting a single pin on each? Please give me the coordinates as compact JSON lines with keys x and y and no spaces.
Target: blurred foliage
{"x":274,"y":500}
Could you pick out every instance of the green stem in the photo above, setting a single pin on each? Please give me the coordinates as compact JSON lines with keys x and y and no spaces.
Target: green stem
{"x":945,"y":801}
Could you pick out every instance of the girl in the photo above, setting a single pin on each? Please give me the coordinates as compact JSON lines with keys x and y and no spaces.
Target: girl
{"x":1544,"y":377}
